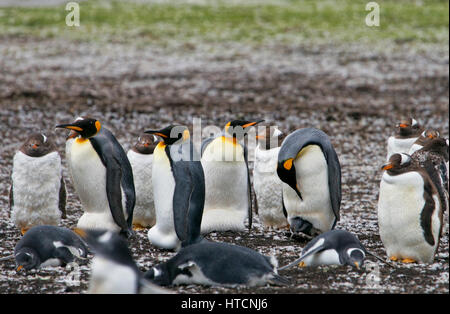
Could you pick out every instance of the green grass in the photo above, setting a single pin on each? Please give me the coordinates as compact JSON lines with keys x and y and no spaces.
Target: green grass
{"x":307,"y":21}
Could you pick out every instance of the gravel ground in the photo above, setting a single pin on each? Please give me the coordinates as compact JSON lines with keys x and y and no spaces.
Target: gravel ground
{"x":354,"y":95}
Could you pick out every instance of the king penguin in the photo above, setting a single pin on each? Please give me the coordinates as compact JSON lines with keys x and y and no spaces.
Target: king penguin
{"x":113,"y":270}
{"x":102,"y":177}
{"x":334,"y":247}
{"x":408,"y":131}
{"x":217,"y":264}
{"x":178,"y":189}
{"x":38,"y":192}
{"x":310,"y":169}
{"x":227,"y":179}
{"x":141,"y":160}
{"x":409,"y":211}
{"x":268,"y":186}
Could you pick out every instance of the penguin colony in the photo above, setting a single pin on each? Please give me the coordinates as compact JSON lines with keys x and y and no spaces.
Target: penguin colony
{"x":181,"y":195}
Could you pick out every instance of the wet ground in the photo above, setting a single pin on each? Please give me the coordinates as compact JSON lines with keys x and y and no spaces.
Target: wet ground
{"x":354,"y":95}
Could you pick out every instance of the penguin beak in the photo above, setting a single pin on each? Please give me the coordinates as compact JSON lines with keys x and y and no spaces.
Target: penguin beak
{"x":356,"y":264}
{"x":19,"y":268}
{"x":387,"y":166}
{"x":251,"y":124}
{"x":80,"y":232}
{"x":69,"y":126}
{"x":156,"y":132}
{"x":402,"y":125}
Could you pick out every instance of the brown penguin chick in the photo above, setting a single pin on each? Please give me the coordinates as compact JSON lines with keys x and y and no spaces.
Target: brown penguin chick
{"x":145,"y":144}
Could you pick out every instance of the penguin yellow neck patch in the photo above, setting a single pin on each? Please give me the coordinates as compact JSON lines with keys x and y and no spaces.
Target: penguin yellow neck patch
{"x":81,"y":140}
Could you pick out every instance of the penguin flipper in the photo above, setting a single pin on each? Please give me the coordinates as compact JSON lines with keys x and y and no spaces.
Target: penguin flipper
{"x":249,"y":190}
{"x":62,"y":199}
{"x":284,"y":207}
{"x":315,"y":245}
{"x":11,"y":199}
{"x":334,"y":180}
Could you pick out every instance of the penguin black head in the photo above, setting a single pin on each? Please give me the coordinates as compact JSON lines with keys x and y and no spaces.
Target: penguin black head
{"x":239,"y":128}
{"x":270,"y":137}
{"x":145,"y":144}
{"x":409,"y":127}
{"x":161,"y":275}
{"x":86,"y":127}
{"x":171,"y":134}
{"x":37,"y":145}
{"x":27,"y":258}
{"x":397,"y":162}
{"x":354,"y":256}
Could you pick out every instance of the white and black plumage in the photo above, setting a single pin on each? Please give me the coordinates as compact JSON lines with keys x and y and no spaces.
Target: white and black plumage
{"x":227,"y":180}
{"x":102,"y":176}
{"x":268,"y":186}
{"x":408,"y":131}
{"x":141,"y":160}
{"x":310,"y":169}
{"x":409,"y":211}
{"x":113,"y":270}
{"x":45,"y":246}
{"x":216,"y":264}
{"x":178,"y":188}
{"x":334,"y":247}
{"x":424,"y":138}
{"x":38,"y":192}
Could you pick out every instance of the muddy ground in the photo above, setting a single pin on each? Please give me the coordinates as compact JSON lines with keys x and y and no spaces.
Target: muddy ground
{"x":354,"y":95}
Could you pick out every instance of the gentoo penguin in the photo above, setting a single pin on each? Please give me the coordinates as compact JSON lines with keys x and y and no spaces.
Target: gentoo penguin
{"x":113,"y":270}
{"x":409,"y":211}
{"x":141,"y":160}
{"x":408,"y":131}
{"x":228,"y":189}
{"x":45,"y":246}
{"x":38,"y":191}
{"x":309,"y":167}
{"x":268,"y":186}
{"x":424,"y":137}
{"x":102,"y":177}
{"x":334,"y":247}
{"x":216,"y":264}
{"x":178,"y":189}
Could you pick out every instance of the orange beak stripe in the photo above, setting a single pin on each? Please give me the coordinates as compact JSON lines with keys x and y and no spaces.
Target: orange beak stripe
{"x":402,"y":125}
{"x":248,"y":124}
{"x":19,"y":268}
{"x":162,"y":135}
{"x":75,"y":128}
{"x":388,"y":166}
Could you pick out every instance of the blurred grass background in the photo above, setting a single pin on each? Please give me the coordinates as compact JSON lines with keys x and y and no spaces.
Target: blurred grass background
{"x":254,"y":22}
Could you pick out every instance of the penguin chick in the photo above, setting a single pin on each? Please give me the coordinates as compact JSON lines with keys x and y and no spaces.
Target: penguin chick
{"x":102,"y":176}
{"x":38,"y":192}
{"x":334,"y":247}
{"x":45,"y":246}
{"x":408,"y":131}
{"x":141,"y":160}
{"x":409,"y":211}
{"x":268,"y":186}
{"x":216,"y":264}
{"x":227,"y":179}
{"x":113,"y":270}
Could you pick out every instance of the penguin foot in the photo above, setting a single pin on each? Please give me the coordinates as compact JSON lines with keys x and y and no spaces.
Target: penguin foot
{"x":138,"y":227}
{"x":408,"y":260}
{"x":393,"y":258}
{"x":302,"y":264}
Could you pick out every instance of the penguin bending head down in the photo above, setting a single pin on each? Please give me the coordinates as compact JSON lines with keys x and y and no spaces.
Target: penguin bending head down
{"x":334,"y":247}
{"x":409,"y":211}
{"x":38,"y":192}
{"x":178,"y":189}
{"x":408,"y":131}
{"x":102,"y":177}
{"x":228,"y":189}
{"x":141,"y":160}
{"x":45,"y":246}
{"x":310,"y":169}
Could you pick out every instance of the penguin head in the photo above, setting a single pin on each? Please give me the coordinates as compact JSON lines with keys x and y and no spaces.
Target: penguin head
{"x":354,"y":256}
{"x":270,"y":137}
{"x":239,"y":128}
{"x":397,"y":162}
{"x":37,"y":145}
{"x":409,"y":126}
{"x":159,"y":275}
{"x":145,"y":144}
{"x":27,"y":258}
{"x":286,"y":172}
{"x":172,"y":134}
{"x":84,"y":126}
{"x":427,"y":136}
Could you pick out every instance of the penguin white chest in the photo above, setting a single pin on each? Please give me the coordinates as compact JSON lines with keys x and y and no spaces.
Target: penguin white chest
{"x":108,"y":277}
{"x":312,"y":181}
{"x":399,"y":145}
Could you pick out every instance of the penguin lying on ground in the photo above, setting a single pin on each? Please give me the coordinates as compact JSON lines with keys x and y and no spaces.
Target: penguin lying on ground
{"x":141,"y":160}
{"x":409,"y":211}
{"x":178,"y":189}
{"x":408,"y":131}
{"x":113,"y":269}
{"x":310,"y":169}
{"x":227,"y":180}
{"x":334,"y":247}
{"x":45,"y":246}
{"x":38,"y":192}
{"x":268,"y":186}
{"x":424,"y":138}
{"x":217,"y":264}
{"x":102,"y":177}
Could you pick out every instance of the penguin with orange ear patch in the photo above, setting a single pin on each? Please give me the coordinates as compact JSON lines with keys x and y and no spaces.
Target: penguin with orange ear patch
{"x":102,"y":177}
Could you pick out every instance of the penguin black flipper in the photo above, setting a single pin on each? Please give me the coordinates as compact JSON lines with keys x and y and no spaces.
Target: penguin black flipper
{"x":428,"y":210}
{"x":249,"y":189}
{"x":284,"y":207}
{"x":301,"y":138}
{"x":118,"y":175}
{"x":62,"y":199}
{"x":11,"y":199}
